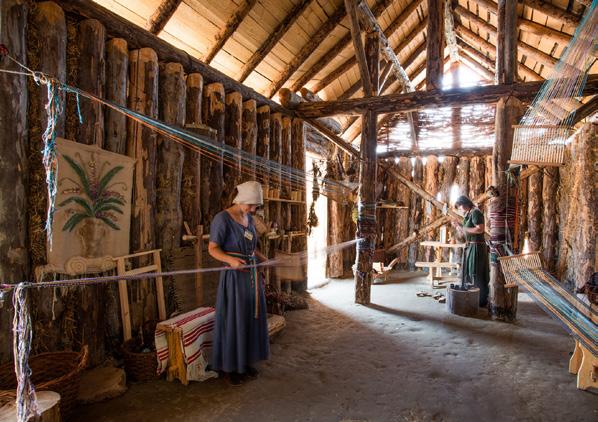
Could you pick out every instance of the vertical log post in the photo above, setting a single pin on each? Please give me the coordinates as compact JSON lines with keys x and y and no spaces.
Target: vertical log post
{"x":263,"y":151}
{"x":117,"y":66}
{"x":285,"y":155}
{"x":462,"y":180}
{"x":416,"y":212}
{"x":336,"y":216}
{"x":142,"y":145}
{"x":430,"y":186}
{"x":366,"y":218}
{"x":534,"y":211}
{"x":169,"y":217}
{"x":503,"y":300}
{"x":191,"y":182}
{"x":449,"y":166}
{"x":249,"y":137}
{"x":435,"y":44}
{"x":14,"y":265}
{"x":275,"y":157}
{"x":47,"y":53}
{"x":91,"y":40}
{"x":404,"y":198}
{"x":212,"y":183}
{"x":550,"y":186}
{"x":476,"y":177}
{"x":91,"y":78}
{"x":232,"y":138}
{"x":299,"y":211}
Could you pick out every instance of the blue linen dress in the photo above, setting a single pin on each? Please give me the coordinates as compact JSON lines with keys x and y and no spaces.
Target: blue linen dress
{"x":240,"y":339}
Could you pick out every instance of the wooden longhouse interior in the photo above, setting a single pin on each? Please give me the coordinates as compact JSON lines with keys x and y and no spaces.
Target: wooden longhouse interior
{"x":412,"y":184}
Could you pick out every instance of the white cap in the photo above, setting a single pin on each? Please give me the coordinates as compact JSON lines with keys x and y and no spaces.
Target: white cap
{"x":249,"y":193}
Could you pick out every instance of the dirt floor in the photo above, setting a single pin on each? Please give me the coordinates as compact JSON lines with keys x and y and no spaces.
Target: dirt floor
{"x":403,"y":358}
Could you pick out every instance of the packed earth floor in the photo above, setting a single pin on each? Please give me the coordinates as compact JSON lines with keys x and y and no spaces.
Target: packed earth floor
{"x":404,"y":358}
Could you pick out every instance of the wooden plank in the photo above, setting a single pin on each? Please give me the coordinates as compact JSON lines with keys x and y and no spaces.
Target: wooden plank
{"x":142,"y":270}
{"x":159,"y":19}
{"x":273,"y":39}
{"x":123,"y":295}
{"x":159,"y":287}
{"x":229,"y":29}
{"x":348,"y":64}
{"x":306,"y":51}
{"x":138,"y":37}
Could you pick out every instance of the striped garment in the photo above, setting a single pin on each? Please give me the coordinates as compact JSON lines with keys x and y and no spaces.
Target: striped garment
{"x":197,"y":327}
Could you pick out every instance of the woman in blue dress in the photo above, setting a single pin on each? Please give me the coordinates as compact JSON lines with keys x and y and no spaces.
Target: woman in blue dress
{"x":241,"y":329}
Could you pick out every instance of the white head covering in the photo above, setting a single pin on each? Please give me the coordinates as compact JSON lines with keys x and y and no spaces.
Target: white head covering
{"x":249,"y":193}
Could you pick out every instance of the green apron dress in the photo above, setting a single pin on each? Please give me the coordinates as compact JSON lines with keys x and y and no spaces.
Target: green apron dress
{"x":477,"y":266}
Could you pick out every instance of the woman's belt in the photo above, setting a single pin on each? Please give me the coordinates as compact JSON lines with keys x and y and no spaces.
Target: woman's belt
{"x":251,"y":260}
{"x":475,"y":242}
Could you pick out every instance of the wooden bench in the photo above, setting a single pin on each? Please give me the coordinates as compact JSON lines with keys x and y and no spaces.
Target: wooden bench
{"x":437,"y":279}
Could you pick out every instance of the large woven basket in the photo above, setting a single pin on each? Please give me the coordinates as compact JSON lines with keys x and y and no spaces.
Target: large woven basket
{"x":54,"y":371}
{"x":139,"y":366}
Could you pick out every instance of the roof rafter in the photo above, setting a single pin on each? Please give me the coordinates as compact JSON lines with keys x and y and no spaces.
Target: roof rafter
{"x":474,"y":39}
{"x":162,"y":15}
{"x":333,"y":52}
{"x":231,"y":26}
{"x":308,"y":49}
{"x":348,"y":64}
{"x":545,"y":7}
{"x":527,"y":49}
{"x":279,"y":32}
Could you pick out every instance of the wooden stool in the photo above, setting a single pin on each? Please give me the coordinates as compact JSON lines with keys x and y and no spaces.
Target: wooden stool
{"x":585,"y":365}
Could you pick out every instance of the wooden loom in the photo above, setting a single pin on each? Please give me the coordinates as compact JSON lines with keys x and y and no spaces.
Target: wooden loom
{"x":579,"y":318}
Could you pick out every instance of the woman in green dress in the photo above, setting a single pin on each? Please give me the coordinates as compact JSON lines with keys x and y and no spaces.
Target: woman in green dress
{"x":477,"y":266}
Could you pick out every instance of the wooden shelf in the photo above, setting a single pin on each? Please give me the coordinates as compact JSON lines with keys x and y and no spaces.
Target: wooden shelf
{"x":290,"y":201}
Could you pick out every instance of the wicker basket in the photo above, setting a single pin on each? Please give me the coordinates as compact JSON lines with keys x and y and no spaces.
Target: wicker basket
{"x":55,"y":371}
{"x":140,"y":366}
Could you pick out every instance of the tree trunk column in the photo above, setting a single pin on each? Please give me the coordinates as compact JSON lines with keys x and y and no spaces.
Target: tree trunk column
{"x":366,"y":208}
{"x":503,"y":300}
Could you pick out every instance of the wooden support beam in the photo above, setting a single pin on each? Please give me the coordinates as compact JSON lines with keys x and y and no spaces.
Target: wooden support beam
{"x":461,"y":152}
{"x":449,"y":31}
{"x":308,"y":49}
{"x":584,"y":111}
{"x":435,"y":44}
{"x":369,"y":21}
{"x":525,"y":48}
{"x":366,"y":80}
{"x":547,"y":8}
{"x":398,"y":103}
{"x":474,"y":39}
{"x":158,"y":20}
{"x":340,"y":45}
{"x":481,"y":62}
{"x":348,"y":64}
{"x":137,"y":37}
{"x":291,"y":99}
{"x":552,"y":11}
{"x":502,"y":299}
{"x":229,"y":29}
{"x":273,"y":38}
{"x":249,"y":137}
{"x":366,"y":219}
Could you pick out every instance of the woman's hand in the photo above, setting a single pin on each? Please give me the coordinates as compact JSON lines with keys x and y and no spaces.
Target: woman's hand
{"x":235,"y":262}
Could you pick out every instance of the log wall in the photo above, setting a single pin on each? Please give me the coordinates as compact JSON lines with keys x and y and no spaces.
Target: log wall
{"x":171,"y":185}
